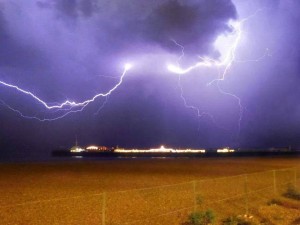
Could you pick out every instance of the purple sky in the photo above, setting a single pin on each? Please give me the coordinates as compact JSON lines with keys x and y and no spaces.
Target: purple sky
{"x":71,"y":50}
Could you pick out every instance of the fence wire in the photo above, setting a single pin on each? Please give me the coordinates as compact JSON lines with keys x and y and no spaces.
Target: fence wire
{"x":169,"y":204}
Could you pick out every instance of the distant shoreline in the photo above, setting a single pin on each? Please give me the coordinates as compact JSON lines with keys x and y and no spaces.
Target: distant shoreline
{"x":65,"y":153}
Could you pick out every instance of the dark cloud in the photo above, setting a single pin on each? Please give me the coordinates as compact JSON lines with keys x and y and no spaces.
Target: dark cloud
{"x":195,"y":25}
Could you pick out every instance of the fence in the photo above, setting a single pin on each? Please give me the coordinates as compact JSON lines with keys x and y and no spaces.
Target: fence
{"x":169,"y":204}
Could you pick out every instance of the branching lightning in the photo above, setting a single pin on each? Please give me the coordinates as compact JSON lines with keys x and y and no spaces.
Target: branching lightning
{"x":224,"y":67}
{"x":66,"y":107}
{"x":189,"y":106}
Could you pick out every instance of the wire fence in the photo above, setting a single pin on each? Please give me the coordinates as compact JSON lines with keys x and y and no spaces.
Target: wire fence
{"x":169,"y":204}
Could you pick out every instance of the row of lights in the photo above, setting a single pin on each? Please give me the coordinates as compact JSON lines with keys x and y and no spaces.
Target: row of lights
{"x":89,"y":148}
{"x":162,"y":149}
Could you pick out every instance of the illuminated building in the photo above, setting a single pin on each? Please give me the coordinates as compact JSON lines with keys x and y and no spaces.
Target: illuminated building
{"x":225,"y":150}
{"x":76,"y":148}
{"x":92,"y":148}
{"x":162,"y":149}
{"x":96,"y":148}
{"x":103,"y":148}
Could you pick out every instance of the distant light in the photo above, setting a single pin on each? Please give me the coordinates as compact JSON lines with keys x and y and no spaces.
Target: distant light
{"x":76,"y":149}
{"x":128,"y":66}
{"x":92,"y":147}
{"x":225,"y":150}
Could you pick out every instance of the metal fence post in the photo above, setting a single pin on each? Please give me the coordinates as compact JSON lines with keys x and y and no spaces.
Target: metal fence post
{"x":274,"y":181}
{"x":194,"y":195}
{"x":295,"y":177}
{"x":103,"y":207}
{"x":246,"y":195}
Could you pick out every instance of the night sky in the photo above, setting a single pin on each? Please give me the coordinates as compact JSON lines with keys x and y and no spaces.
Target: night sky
{"x":72,"y":50}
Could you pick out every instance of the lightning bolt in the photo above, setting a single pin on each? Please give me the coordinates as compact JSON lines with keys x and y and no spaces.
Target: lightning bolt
{"x":209,"y":62}
{"x":66,"y":107}
{"x":199,"y":113}
{"x":102,"y":106}
{"x":223,"y":66}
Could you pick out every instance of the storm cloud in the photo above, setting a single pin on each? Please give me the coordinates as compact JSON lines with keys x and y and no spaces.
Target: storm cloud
{"x":194,"y":25}
{"x":74,"y":49}
{"x":110,"y":27}
{"x":70,"y":43}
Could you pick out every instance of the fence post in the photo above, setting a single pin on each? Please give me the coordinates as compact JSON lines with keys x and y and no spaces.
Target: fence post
{"x":274,"y":182}
{"x":103,"y":207}
{"x":195,"y":197}
{"x":295,"y":177}
{"x":246,"y":195}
